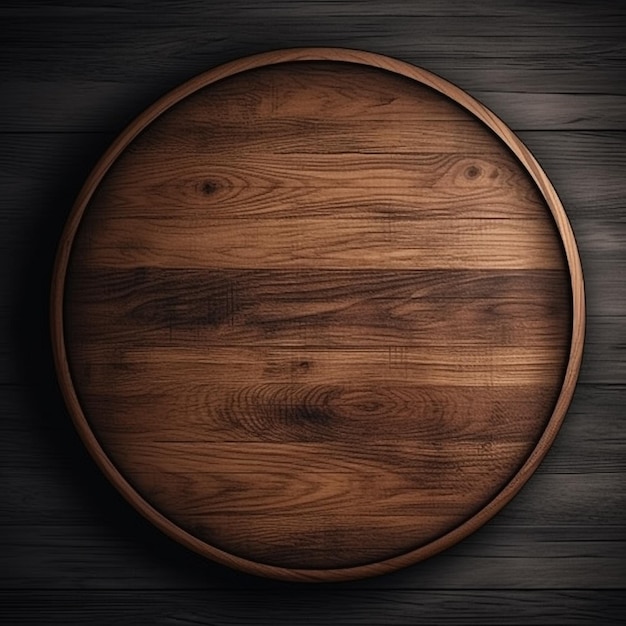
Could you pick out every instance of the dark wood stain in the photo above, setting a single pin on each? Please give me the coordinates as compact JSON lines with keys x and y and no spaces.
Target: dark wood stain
{"x":73,"y":78}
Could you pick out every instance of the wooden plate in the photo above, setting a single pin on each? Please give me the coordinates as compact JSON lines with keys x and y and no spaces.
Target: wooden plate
{"x":318,"y":314}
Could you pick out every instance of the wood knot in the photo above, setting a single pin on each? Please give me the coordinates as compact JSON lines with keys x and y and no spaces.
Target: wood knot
{"x":300,"y":367}
{"x":472,"y":172}
{"x":209,"y":186}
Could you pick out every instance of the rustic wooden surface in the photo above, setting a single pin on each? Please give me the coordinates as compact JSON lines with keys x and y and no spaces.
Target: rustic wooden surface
{"x":73,"y":76}
{"x":317,"y":314}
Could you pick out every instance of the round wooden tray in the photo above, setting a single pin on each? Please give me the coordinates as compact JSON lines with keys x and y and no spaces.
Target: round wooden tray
{"x":318,"y":314}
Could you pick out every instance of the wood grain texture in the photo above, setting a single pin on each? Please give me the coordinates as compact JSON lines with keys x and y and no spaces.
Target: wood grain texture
{"x":73,"y":75}
{"x":396,"y":608}
{"x":542,"y":558}
{"x":288,"y":252}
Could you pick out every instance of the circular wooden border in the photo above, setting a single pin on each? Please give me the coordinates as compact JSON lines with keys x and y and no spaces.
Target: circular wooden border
{"x":479,"y":111}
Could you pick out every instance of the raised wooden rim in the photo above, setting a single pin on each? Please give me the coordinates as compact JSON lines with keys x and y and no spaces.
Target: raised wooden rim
{"x":485,"y":116}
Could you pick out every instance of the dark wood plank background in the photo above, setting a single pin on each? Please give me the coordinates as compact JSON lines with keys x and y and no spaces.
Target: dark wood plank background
{"x":72,"y":75}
